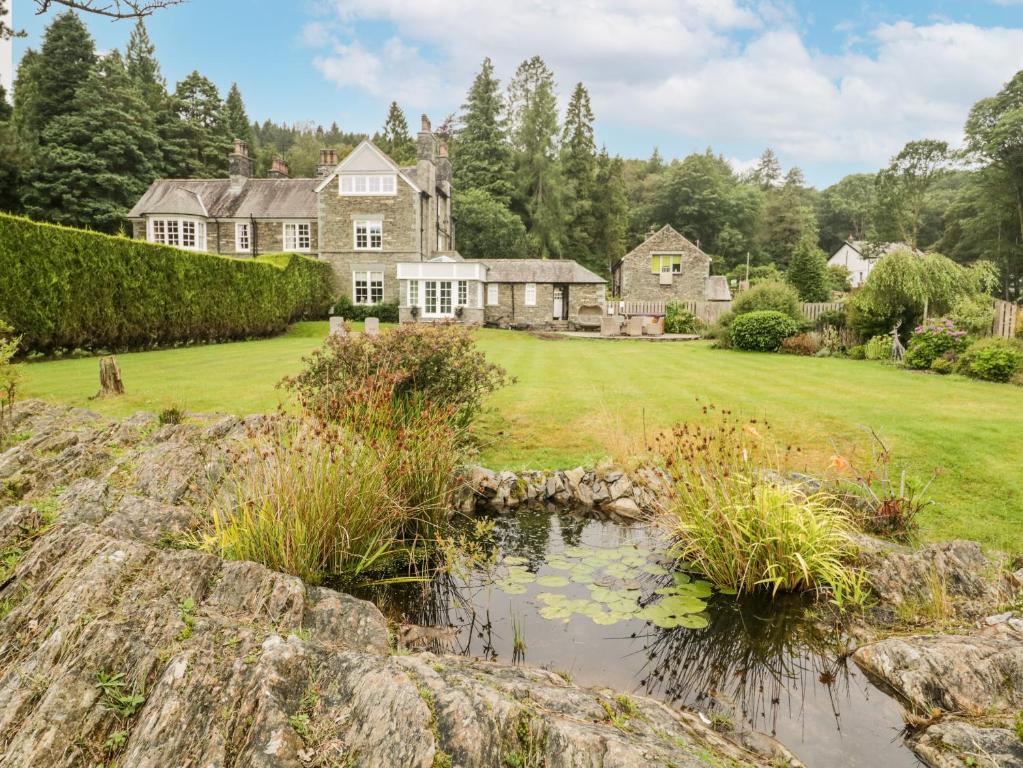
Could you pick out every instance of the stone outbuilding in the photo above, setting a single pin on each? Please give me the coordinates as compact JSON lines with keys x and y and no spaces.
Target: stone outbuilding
{"x":664,"y":267}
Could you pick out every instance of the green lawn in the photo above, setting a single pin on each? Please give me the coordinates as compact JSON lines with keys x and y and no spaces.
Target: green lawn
{"x":575,"y":398}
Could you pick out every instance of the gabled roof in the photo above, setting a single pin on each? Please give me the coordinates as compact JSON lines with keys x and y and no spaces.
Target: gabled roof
{"x":537,"y":271}
{"x":258,"y":198}
{"x":368,"y":151}
{"x":664,"y":240}
{"x":869,"y":250}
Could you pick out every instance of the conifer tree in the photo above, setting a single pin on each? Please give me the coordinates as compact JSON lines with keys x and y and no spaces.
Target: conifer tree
{"x":96,"y":160}
{"x":579,"y":169}
{"x":142,"y":67}
{"x":203,"y":128}
{"x":237,"y":120}
{"x":611,"y":209}
{"x":12,"y":158}
{"x":53,"y":76}
{"x":532,"y":105}
{"x":482,"y":159}
{"x":396,"y":140}
{"x":808,"y":271}
{"x":767,"y":171}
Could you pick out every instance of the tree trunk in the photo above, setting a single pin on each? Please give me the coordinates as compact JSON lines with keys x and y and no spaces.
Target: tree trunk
{"x":110,"y":377}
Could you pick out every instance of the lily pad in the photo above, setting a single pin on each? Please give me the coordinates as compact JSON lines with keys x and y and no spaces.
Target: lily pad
{"x":514,"y":560}
{"x":694,"y":621}
{"x":555,"y":612}
{"x":654,"y":569}
{"x":604,"y":619}
{"x":511,"y":587}
{"x":552,"y":581}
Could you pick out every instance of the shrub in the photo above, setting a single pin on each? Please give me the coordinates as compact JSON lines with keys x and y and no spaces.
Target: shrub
{"x":833,"y":317}
{"x":943,"y":365}
{"x":321,"y":501}
{"x":774,"y":296}
{"x":678,"y":319}
{"x":800,"y":344}
{"x":738,"y":524}
{"x":10,"y":375}
{"x":808,"y":271}
{"x":66,"y":288}
{"x":859,"y":352}
{"x":974,"y":314}
{"x":992,"y":359}
{"x":932,"y":340}
{"x":762,"y":331}
{"x":386,"y":312}
{"x":878,"y":348}
{"x":428,"y":365}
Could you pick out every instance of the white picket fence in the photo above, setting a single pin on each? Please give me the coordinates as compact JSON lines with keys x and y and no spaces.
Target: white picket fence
{"x":708,"y":312}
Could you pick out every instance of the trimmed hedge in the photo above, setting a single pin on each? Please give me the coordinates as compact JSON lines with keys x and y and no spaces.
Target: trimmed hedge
{"x":64,"y":288}
{"x":762,"y":331}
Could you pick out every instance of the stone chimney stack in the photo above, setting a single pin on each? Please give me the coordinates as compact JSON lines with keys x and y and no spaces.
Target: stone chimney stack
{"x":443,"y":163}
{"x":426,"y":142}
{"x":328,"y":159}
{"x":426,"y":175}
{"x":239,"y":165}
{"x":278,"y":168}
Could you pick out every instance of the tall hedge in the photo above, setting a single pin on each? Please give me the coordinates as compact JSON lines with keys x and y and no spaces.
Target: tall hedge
{"x":64,"y":288}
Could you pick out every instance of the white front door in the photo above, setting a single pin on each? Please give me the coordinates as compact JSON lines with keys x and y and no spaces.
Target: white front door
{"x":559,"y":303}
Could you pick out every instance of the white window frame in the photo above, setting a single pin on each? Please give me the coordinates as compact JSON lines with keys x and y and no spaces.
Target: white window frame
{"x":493,"y":294}
{"x":463,"y":293}
{"x":413,"y":293}
{"x":296,"y":238}
{"x":374,"y":286}
{"x":529,"y":298}
{"x":666,"y":265}
{"x":173,"y":231}
{"x":374,"y":231}
{"x":367,"y":184}
{"x":243,"y":237}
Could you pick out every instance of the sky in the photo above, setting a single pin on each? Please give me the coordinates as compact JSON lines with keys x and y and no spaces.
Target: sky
{"x":833,"y":87}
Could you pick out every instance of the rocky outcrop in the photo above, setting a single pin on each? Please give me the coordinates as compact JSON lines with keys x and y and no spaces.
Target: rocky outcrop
{"x":118,"y":647}
{"x":611,"y":491}
{"x":957,"y":744}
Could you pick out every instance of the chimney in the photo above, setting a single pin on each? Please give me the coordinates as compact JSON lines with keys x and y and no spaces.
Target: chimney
{"x":426,"y":143}
{"x":328,"y":159}
{"x":443,"y":163}
{"x":278,"y":168}
{"x":239,"y":165}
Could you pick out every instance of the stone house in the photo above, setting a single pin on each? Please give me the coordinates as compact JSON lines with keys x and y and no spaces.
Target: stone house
{"x":387,"y":231}
{"x":664,"y":267}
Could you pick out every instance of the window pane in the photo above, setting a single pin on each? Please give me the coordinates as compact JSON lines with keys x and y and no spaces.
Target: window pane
{"x":304,"y":236}
{"x":388,"y":184}
{"x":445,"y":297}
{"x":463,"y":292}
{"x":530,"y":294}
{"x":376,"y":234}
{"x":172,"y":232}
{"x":374,"y":184}
{"x":492,"y":294}
{"x":413,"y":293}
{"x":360,"y":183}
{"x":431,"y":297}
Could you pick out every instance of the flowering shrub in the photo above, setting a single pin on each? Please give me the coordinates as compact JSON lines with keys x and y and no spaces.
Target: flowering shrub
{"x":762,"y":331}
{"x":678,"y":319}
{"x":435,"y":366}
{"x":992,"y":359}
{"x":933,"y":340}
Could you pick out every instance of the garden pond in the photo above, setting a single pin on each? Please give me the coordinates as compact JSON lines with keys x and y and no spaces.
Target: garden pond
{"x":591,"y":600}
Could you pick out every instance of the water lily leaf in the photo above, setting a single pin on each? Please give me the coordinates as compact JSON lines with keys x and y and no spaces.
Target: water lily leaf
{"x":604,"y":619}
{"x":679,"y":605}
{"x":680,"y":578}
{"x":576,"y":553}
{"x":694,"y":621}
{"x":514,"y":560}
{"x":728,"y":590}
{"x":654,"y":569}
{"x":552,"y":581}
{"x":559,"y":565}
{"x":618,"y":571}
{"x":581,"y":577}
{"x":511,"y":587}
{"x":553,"y":612}
{"x":551,"y":598}
{"x":520,"y":575}
{"x":602,"y":594}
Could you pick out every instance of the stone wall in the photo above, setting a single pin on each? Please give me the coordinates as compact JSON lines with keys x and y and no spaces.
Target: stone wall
{"x":638,"y":283}
{"x":400,"y":214}
{"x":611,"y":491}
{"x":585,"y":295}
{"x":511,"y":308}
{"x":470,"y":316}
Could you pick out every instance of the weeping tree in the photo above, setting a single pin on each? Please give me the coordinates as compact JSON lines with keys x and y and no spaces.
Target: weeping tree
{"x":910,"y":287}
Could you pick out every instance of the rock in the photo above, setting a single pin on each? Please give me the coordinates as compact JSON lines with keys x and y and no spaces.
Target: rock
{"x":1001,"y":618}
{"x":974,"y":673}
{"x":625,"y":507}
{"x":955,"y":744}
{"x":236,"y":665}
{"x":620,"y":486}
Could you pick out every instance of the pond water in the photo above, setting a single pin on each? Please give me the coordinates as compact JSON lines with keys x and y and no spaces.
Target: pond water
{"x":591,"y":600}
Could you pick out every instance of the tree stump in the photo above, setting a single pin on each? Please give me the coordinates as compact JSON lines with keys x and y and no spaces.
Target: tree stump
{"x":109,"y":377}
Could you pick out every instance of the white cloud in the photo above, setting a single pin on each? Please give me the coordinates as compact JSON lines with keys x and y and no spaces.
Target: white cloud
{"x":709,"y":71}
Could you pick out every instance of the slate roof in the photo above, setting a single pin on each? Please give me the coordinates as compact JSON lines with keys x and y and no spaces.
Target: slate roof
{"x":537,"y":271}
{"x":258,"y":198}
{"x":869,"y":250}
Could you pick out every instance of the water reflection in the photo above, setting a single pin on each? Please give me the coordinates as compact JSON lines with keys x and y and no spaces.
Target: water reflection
{"x":762,"y":663}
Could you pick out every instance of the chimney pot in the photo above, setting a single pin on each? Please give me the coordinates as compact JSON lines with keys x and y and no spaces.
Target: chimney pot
{"x":425,"y":127}
{"x":443,"y":151}
{"x":328,"y":159}
{"x":241,"y":147}
{"x":278,"y":168}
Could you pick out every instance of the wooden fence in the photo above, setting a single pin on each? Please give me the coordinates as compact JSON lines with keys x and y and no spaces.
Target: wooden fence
{"x":1007,"y":319}
{"x":708,"y":312}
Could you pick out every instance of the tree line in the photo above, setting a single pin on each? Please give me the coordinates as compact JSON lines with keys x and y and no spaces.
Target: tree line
{"x":88,"y":133}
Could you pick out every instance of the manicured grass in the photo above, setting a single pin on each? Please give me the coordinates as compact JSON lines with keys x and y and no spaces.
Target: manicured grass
{"x":576,"y":400}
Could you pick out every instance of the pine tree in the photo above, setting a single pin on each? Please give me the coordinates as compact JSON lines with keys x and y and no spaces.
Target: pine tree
{"x":95,"y":160}
{"x":235,"y":116}
{"x":808,"y":271}
{"x":12,"y":158}
{"x":767,"y":171}
{"x":203,"y":128}
{"x":482,"y":159}
{"x":579,"y":168}
{"x":142,"y":67}
{"x":538,"y":185}
{"x":54,"y":74}
{"x":656,"y":163}
{"x":396,"y":140}
{"x":611,"y":209}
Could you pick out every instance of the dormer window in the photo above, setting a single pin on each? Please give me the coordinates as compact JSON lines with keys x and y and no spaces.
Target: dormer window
{"x":368,"y":184}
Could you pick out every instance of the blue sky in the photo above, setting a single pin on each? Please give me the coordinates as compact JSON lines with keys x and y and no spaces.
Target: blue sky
{"x":832,"y":87}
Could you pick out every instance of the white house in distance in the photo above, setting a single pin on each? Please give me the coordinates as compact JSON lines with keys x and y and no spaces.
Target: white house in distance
{"x":860,"y":256}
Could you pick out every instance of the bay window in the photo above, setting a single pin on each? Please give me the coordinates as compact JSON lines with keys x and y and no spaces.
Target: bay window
{"x":180,"y":232}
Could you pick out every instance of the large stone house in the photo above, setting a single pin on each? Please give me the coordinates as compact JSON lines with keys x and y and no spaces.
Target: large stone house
{"x":665,"y":267}
{"x":386,"y":230}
